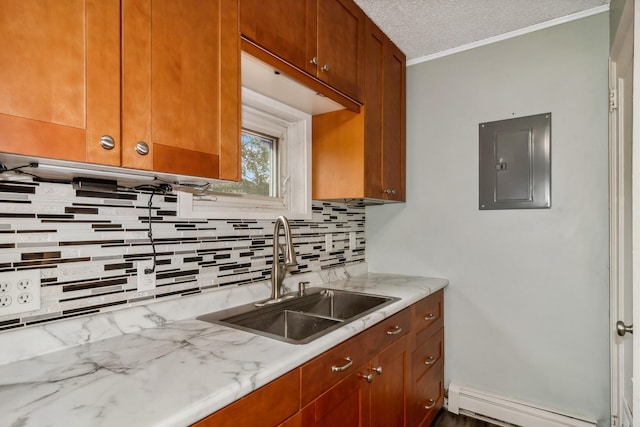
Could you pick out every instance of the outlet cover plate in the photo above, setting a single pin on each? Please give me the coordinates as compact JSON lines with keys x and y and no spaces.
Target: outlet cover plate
{"x":19,"y":292}
{"x":146,"y":281}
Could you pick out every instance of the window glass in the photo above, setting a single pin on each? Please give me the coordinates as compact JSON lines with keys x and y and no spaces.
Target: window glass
{"x":259,"y":166}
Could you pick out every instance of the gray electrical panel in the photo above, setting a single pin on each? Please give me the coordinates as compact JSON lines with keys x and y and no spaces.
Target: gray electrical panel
{"x":515,"y":163}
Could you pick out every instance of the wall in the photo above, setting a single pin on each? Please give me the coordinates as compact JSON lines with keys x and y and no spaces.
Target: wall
{"x":527,"y":308}
{"x":86,"y":246}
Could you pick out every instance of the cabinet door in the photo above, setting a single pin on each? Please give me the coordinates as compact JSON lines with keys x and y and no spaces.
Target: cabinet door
{"x":181,"y":92}
{"x":60,"y":78}
{"x":375,"y":46}
{"x":393,"y":146}
{"x":384,"y":117}
{"x":340,"y":46}
{"x":346,"y":404}
{"x":388,"y":386}
{"x":281,"y":27}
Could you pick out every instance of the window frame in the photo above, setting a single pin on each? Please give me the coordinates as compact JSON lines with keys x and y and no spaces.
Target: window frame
{"x":293,"y":130}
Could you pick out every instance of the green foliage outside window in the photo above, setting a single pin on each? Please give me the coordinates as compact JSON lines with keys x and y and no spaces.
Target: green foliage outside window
{"x":258,"y":167}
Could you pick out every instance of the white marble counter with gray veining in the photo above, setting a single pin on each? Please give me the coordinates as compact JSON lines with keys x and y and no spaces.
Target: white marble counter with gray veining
{"x":166,"y":372}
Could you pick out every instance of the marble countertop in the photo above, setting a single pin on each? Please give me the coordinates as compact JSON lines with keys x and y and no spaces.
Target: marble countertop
{"x":174,"y":373}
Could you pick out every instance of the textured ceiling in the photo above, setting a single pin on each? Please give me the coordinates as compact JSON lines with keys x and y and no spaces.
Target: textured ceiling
{"x":425,"y":27}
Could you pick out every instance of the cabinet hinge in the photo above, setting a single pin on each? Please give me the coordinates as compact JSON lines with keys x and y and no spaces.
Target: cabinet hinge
{"x":613,"y":99}
{"x":614,"y":421}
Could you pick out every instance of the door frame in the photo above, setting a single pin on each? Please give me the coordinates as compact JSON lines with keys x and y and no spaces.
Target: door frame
{"x":616,"y":223}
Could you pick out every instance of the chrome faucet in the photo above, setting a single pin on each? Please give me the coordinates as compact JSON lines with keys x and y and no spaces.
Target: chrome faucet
{"x":278,"y":269}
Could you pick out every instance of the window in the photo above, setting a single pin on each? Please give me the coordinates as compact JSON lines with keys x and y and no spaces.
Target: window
{"x":276,"y":167}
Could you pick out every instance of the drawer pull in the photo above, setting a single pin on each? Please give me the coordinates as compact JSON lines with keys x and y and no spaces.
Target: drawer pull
{"x":377,"y":370}
{"x":430,"y":404}
{"x":430,"y":360}
{"x":429,"y":316}
{"x":344,"y":367}
{"x":395,"y":331}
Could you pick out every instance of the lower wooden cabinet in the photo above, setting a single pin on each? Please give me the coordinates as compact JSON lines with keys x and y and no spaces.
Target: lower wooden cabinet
{"x":426,"y":386}
{"x":390,"y":375}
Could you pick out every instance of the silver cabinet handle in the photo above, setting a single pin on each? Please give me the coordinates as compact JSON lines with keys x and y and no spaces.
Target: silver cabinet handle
{"x":142,"y":148}
{"x":314,"y":60}
{"x":377,"y":370}
{"x":390,"y":191}
{"x":430,"y":360}
{"x":430,"y":316}
{"x":107,"y":142}
{"x":622,"y":329}
{"x":395,"y":331}
{"x":344,"y":367}
{"x":367,"y":377}
{"x":430,"y":404}
{"x":325,"y":68}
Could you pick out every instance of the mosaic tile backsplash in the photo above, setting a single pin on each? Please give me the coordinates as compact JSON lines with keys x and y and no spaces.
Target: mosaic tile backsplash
{"x":86,"y":245}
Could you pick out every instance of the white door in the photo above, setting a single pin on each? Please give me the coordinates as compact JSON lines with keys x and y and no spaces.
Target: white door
{"x":624,"y":187}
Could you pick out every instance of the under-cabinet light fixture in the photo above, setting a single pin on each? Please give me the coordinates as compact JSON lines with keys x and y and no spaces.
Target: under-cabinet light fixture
{"x":94,"y":173}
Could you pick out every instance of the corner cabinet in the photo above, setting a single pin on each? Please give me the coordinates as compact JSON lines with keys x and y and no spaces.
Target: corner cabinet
{"x":390,"y":375}
{"x":362,"y":155}
{"x":322,"y":38}
{"x":132,"y":83}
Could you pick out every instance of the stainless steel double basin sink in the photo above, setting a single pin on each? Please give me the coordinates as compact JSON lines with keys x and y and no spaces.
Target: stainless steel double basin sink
{"x":301,"y":319}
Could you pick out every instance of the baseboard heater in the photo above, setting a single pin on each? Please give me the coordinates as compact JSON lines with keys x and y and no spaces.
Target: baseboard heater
{"x":506,"y":411}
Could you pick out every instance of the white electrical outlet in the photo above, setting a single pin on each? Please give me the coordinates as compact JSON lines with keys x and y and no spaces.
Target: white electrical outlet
{"x":352,"y":240}
{"x":146,"y":281}
{"x":19,"y":292}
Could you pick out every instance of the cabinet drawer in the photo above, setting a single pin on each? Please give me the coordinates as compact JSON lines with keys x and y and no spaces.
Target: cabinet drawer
{"x":260,"y":407}
{"x":428,"y":396}
{"x":428,"y":354}
{"x":391,"y":329}
{"x":428,"y":316}
{"x":324,"y":371}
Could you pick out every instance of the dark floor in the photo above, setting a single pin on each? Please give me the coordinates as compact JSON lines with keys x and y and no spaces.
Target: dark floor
{"x":447,"y":419}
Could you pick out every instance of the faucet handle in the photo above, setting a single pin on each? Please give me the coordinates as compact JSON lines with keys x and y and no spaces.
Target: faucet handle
{"x":301,"y":288}
{"x":289,"y":255}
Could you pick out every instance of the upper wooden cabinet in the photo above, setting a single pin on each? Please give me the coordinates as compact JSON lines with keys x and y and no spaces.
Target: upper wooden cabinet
{"x":159,"y":77}
{"x":60,"y":78}
{"x":324,"y":38}
{"x":181,"y":90}
{"x":363,"y":155}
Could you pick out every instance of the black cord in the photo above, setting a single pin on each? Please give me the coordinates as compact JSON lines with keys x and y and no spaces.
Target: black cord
{"x":163,"y":188}
{"x":150,"y":234}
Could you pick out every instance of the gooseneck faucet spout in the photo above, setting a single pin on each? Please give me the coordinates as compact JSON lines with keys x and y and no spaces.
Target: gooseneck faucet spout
{"x":279,"y":269}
